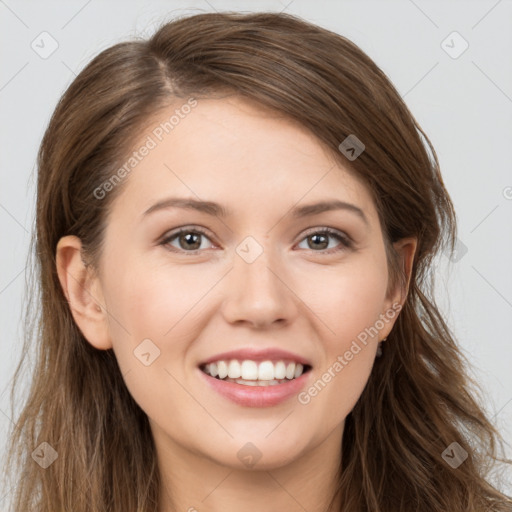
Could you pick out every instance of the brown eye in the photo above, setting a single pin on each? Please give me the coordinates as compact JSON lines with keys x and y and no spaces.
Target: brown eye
{"x":188,"y":240}
{"x":318,"y":241}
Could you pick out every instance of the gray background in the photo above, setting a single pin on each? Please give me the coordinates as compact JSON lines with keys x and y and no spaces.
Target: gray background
{"x":464,"y":104}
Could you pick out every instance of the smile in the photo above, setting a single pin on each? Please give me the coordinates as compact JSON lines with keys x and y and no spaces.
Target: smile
{"x":256,"y":384}
{"x":252,"y":373}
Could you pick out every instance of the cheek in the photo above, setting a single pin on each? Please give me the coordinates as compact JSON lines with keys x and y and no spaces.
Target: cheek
{"x":150,"y":330}
{"x":350,"y":298}
{"x":348,"y":301}
{"x":337,"y":386}
{"x":158,"y":303}
{"x":150,"y":299}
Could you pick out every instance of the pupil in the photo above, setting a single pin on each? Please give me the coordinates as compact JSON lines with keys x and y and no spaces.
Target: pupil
{"x":187,"y":239}
{"x":320,"y":236}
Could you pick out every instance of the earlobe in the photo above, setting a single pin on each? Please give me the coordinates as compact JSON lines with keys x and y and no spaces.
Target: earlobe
{"x":82,"y":290}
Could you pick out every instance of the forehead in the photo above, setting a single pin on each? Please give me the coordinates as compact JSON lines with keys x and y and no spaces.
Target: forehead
{"x":234,"y":151}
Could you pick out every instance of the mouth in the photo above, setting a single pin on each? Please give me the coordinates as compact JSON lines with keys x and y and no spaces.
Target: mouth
{"x":255,"y":373}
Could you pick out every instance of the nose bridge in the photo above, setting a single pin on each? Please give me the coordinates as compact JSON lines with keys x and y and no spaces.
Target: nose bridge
{"x":257,"y":292}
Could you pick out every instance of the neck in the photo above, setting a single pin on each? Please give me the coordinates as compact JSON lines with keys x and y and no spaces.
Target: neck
{"x":193,"y":483}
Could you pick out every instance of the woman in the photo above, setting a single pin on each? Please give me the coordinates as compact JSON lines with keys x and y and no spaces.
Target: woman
{"x":236,"y":220}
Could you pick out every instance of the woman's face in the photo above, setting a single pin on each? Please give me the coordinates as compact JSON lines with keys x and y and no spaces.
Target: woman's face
{"x":257,"y":272}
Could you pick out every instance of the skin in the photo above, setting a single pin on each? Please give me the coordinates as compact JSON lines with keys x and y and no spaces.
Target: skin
{"x":192,"y":306}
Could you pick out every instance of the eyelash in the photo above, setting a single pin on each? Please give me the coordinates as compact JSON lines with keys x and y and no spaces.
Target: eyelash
{"x":346,"y":242}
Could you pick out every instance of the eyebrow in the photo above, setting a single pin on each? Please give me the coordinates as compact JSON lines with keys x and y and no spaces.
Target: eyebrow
{"x":218,"y":210}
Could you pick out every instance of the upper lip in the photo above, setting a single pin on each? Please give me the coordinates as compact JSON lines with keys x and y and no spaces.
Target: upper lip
{"x":254,"y":354}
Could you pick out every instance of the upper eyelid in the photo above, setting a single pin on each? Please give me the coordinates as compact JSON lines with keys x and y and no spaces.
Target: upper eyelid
{"x":325,"y":229}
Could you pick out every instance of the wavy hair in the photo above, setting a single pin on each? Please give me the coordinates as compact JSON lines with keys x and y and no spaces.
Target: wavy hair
{"x":419,"y":398}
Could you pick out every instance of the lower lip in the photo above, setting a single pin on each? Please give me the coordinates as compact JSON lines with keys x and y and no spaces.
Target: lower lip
{"x":257,"y":396}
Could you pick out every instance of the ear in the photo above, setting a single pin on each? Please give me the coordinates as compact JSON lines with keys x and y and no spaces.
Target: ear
{"x":82,"y":289}
{"x":406,"y":250}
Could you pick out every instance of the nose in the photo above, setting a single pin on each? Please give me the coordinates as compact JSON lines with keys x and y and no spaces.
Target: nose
{"x":259,"y":293}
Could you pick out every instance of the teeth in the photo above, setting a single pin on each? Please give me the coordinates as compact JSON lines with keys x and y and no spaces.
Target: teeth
{"x":290,"y":371}
{"x":279,"y":370}
{"x":246,"y":382}
{"x":248,"y":370}
{"x":234,"y":371}
{"x":214,"y":370}
{"x":222,"y":369}
{"x":266,"y":370}
{"x":263,"y":383}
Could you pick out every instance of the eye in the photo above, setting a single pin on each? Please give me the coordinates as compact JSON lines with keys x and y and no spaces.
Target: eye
{"x":188,"y":240}
{"x":319,"y":239}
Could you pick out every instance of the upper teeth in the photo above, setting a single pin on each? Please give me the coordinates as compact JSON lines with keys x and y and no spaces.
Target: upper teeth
{"x":251,"y":370}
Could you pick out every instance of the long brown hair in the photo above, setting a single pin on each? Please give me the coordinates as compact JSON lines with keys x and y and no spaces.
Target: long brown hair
{"x":419,"y":398}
